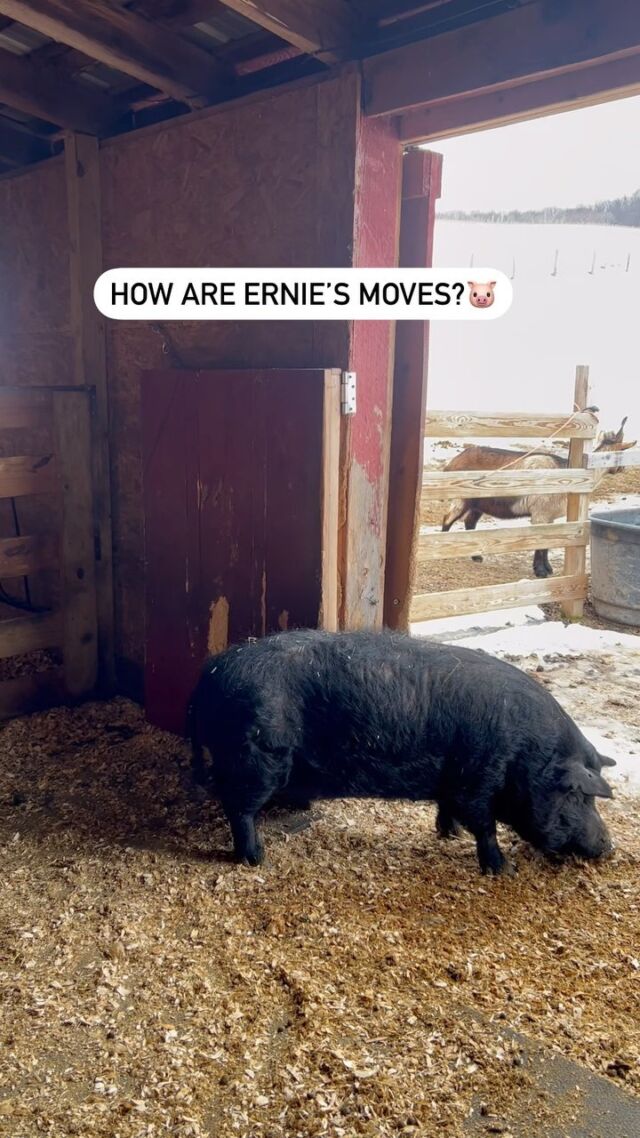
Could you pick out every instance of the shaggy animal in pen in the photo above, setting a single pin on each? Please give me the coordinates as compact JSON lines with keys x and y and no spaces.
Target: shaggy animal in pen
{"x":542,"y":509}
{"x":313,"y":714}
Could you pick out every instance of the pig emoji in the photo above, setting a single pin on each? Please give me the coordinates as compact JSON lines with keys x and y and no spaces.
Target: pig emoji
{"x":481,"y":295}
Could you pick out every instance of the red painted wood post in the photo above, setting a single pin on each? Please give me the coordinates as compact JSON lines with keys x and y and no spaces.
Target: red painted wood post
{"x":365,"y":436}
{"x":421,"y":185}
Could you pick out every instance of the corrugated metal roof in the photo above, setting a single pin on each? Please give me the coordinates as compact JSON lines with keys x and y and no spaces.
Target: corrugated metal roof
{"x":20,"y":40}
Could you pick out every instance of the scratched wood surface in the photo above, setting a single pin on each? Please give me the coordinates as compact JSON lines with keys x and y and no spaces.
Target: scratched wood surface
{"x":233,"y":515}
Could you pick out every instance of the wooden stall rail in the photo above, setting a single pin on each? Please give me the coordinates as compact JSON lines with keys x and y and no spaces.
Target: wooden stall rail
{"x":63,"y":470}
{"x":574,"y":481}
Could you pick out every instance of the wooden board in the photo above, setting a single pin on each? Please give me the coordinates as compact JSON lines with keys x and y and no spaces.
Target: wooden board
{"x":22,"y":556}
{"x":367,"y":434}
{"x":29,"y":634}
{"x":84,"y":219}
{"x":575,"y":559}
{"x":239,"y":517}
{"x":27,"y":694}
{"x":329,"y":604}
{"x":421,"y":185}
{"x":72,"y":433}
{"x":502,"y":52}
{"x":504,"y":483}
{"x":491,"y":542}
{"x":28,"y":474}
{"x":472,"y":425}
{"x":604,"y":459}
{"x":594,"y":84}
{"x":20,"y":407}
{"x":430,"y":606}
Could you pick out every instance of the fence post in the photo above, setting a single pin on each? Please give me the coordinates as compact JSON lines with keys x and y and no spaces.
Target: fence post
{"x":575,"y":558}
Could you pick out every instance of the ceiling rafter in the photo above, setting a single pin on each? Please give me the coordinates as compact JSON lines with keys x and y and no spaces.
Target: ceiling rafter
{"x":45,"y":94}
{"x":128,"y":42}
{"x":323,"y":28}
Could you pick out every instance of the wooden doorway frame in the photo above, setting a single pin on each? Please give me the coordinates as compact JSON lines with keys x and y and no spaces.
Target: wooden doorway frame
{"x":421,"y":185}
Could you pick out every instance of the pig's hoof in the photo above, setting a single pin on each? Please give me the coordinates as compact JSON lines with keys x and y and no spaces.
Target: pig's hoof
{"x":252,"y":857}
{"x":476,"y":557}
{"x":540,"y":571}
{"x":492,"y":860}
{"x":503,"y":868}
{"x":446,"y":833}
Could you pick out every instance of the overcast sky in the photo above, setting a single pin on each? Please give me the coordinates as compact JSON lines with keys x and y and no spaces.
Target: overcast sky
{"x":575,"y":158}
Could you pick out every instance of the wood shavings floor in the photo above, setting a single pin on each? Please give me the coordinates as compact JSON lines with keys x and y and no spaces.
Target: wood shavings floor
{"x":149,"y":987}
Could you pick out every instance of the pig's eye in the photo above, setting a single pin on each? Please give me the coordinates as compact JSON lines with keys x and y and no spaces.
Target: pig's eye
{"x":475,"y":294}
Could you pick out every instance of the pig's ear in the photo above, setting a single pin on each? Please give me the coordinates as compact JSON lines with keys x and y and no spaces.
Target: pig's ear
{"x":492,"y":284}
{"x":579,"y":777}
{"x":605,"y":761}
{"x":471,"y":284}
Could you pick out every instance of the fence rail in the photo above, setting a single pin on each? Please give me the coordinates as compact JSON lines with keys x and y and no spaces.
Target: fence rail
{"x":575,"y":481}
{"x":485,"y":598}
{"x":505,"y":483}
{"x":473,"y":425}
{"x":517,"y":539}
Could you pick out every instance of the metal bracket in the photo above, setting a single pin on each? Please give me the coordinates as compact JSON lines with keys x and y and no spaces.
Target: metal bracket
{"x":348,"y":393}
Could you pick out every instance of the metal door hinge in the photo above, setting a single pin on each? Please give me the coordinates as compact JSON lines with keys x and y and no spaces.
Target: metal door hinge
{"x":348,"y":393}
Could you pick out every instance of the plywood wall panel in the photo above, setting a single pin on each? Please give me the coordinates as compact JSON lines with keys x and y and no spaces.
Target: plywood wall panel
{"x":35,"y":345}
{"x":264,"y":183}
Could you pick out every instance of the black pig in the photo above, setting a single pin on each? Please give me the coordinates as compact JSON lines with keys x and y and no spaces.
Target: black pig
{"x":311,"y":714}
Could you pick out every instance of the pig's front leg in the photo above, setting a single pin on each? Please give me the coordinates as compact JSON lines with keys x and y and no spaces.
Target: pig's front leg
{"x":490,"y":856}
{"x":477,"y":815}
{"x":247,"y":846}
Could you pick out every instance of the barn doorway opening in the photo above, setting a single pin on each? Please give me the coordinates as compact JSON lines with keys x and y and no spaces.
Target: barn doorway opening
{"x":528,"y":199}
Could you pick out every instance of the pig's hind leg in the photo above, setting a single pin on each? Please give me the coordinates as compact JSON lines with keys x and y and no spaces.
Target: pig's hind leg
{"x":446,"y":825}
{"x":247,"y":786}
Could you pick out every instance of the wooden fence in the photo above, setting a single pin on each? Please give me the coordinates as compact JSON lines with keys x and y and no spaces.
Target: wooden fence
{"x":61,"y":471}
{"x":573,"y":535}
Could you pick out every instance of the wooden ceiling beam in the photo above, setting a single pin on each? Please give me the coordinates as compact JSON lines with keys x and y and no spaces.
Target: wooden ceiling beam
{"x":601,"y":82}
{"x":45,"y":94}
{"x":529,"y":42}
{"x":318,"y":27}
{"x":125,"y":41}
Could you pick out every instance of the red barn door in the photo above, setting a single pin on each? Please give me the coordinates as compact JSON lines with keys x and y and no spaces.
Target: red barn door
{"x":240,"y":513}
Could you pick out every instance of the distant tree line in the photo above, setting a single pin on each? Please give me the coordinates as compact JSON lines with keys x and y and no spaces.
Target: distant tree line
{"x":617,"y":211}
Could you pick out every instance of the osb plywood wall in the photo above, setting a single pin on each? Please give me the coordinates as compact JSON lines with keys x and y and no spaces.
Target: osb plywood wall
{"x":254,"y":185}
{"x":266,"y":182}
{"x":35,"y":342}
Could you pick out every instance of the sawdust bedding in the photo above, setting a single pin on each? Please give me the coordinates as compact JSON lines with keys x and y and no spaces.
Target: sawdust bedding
{"x":364,"y":981}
